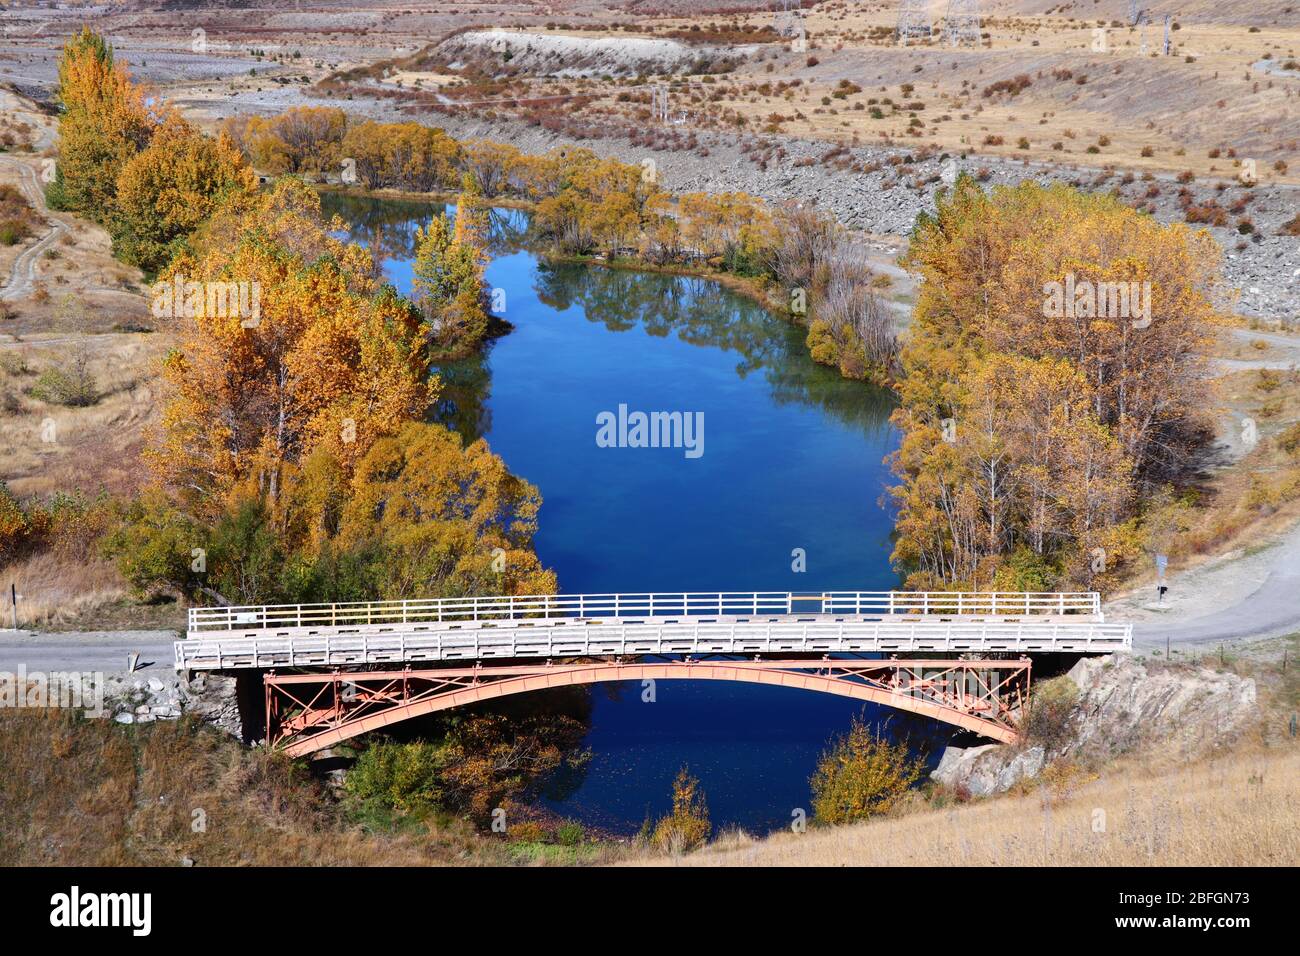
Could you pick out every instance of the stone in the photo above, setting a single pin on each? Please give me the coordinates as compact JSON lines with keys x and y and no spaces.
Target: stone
{"x":1122,"y":706}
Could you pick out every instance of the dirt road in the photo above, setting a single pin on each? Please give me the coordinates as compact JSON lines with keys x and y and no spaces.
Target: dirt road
{"x":22,"y":277}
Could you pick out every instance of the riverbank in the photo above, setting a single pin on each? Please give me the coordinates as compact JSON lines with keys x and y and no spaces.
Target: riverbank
{"x":1230,"y":811}
{"x":1158,"y":764}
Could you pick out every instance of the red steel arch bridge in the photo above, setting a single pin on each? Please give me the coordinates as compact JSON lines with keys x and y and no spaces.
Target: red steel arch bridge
{"x":335,"y":671}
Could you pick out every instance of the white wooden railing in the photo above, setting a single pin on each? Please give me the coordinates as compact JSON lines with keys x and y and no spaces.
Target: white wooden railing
{"x":452,"y":611}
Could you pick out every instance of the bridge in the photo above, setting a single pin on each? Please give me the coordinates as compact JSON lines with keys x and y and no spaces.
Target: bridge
{"x":357,"y":667}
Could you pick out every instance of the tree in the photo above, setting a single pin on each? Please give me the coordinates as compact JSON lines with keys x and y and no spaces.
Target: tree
{"x":301,"y":140}
{"x":448,"y":278}
{"x":491,"y":164}
{"x":403,"y":156}
{"x":331,"y":359}
{"x":166,"y":191}
{"x":863,"y":774}
{"x":103,"y":122}
{"x":687,"y":827}
{"x":451,"y":520}
{"x":1027,"y":424}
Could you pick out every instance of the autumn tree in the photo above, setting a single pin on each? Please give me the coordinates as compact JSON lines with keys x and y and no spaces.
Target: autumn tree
{"x":448,"y":281}
{"x":687,"y":827}
{"x":863,"y":774}
{"x":407,"y":156}
{"x":166,"y":191}
{"x":328,"y":358}
{"x":303,"y":140}
{"x":1032,"y":431}
{"x":491,"y":164}
{"x":452,"y":518}
{"x":103,"y":122}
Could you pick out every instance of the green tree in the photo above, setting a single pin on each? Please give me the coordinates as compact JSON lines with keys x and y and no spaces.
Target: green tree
{"x":448,"y":282}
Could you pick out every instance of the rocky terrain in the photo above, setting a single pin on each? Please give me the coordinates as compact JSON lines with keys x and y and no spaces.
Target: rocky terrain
{"x":1263,"y":267}
{"x":1122,"y":706}
{"x":134,"y":697}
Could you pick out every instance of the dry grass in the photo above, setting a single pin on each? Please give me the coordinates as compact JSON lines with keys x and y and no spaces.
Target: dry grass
{"x":91,"y":792}
{"x":59,"y":590}
{"x":1232,"y":811}
{"x":95,"y":447}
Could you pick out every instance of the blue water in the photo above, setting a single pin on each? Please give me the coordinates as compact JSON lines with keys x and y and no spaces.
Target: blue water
{"x":793,"y":459}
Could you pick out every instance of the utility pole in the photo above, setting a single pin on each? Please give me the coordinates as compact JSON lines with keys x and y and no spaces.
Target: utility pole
{"x":1168,"y":19}
{"x":659,"y":102}
{"x":13,"y":597}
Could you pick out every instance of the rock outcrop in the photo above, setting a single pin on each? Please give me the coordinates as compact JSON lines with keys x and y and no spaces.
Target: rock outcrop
{"x":1121,"y":707}
{"x":134,"y":698}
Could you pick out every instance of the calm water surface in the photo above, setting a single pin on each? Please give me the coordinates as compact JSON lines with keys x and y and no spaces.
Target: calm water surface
{"x":792,"y":460}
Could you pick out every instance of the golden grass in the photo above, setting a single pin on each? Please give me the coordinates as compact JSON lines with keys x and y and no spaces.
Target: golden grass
{"x":95,"y":447}
{"x":1237,"y":810}
{"x":92,"y":792}
{"x":58,"y":590}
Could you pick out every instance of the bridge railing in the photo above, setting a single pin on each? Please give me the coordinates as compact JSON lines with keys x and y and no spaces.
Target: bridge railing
{"x":621,"y":638}
{"x":872,"y":604}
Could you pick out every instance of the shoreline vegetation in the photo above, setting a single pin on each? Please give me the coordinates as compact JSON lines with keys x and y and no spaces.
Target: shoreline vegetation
{"x":294,"y":461}
{"x":1039,"y":450}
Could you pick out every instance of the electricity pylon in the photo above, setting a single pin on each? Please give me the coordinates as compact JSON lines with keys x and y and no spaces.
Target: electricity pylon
{"x":962,"y":22}
{"x":913,"y":20}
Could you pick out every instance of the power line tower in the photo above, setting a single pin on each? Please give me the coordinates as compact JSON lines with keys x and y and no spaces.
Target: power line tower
{"x":659,"y":102}
{"x":1135,"y":12}
{"x":962,"y":22}
{"x":1168,"y":18}
{"x":913,"y":20}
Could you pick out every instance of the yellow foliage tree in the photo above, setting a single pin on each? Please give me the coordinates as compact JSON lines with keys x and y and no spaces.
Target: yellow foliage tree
{"x":103,"y":123}
{"x":863,"y":774}
{"x":325,"y":358}
{"x":451,"y":518}
{"x":166,"y":191}
{"x":1031,"y":427}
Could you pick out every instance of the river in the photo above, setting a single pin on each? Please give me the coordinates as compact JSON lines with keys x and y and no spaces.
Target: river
{"x":791,"y":466}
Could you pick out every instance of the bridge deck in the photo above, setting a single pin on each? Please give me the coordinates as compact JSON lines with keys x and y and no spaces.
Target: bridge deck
{"x":591,"y":625}
{"x":326,"y":647}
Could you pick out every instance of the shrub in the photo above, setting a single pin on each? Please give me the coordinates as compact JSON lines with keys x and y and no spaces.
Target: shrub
{"x":1050,"y":707}
{"x":862,"y":774}
{"x":687,"y":827}
{"x":1289,"y":440}
{"x":70,"y":384}
{"x":570,"y":833}
{"x":12,"y":231}
{"x":399,"y":777}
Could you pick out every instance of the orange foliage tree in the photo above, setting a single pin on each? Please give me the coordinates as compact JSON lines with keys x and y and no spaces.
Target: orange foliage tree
{"x":103,"y":123}
{"x":326,"y":357}
{"x":166,"y":191}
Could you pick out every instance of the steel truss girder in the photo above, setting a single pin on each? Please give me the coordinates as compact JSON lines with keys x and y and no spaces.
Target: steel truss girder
{"x":308,"y":712}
